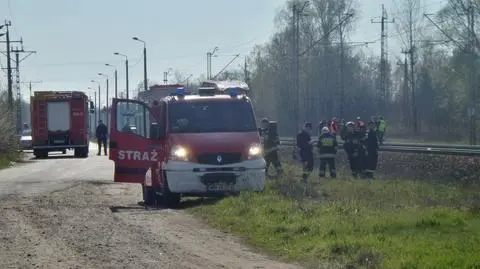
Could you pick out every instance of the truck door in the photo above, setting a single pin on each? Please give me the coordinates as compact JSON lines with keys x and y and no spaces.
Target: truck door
{"x":131,"y":147}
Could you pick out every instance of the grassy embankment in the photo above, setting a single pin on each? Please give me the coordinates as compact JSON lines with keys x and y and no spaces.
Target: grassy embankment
{"x":8,"y":139}
{"x":357,"y":223}
{"x":7,"y":159}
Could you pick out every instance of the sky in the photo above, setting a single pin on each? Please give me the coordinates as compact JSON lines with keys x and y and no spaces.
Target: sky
{"x":74,"y":39}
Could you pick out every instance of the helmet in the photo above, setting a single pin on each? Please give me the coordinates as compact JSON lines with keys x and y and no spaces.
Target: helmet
{"x":325,"y":130}
{"x":358,"y":118}
{"x":350,"y":124}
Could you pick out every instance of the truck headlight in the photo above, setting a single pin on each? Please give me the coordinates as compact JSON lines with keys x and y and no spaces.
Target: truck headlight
{"x":179,"y":153}
{"x":254,"y":152}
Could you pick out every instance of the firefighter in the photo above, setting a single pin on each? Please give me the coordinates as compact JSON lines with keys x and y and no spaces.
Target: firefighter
{"x":333,"y":127}
{"x":101,"y":134}
{"x":327,"y":147}
{"x":270,"y":141}
{"x":321,"y":124}
{"x":304,"y":144}
{"x":382,"y":126}
{"x":371,"y":158}
{"x":353,"y":148}
{"x":343,"y":129}
{"x":360,"y":126}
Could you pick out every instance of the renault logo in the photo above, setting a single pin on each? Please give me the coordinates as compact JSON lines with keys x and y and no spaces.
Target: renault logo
{"x":219,"y":158}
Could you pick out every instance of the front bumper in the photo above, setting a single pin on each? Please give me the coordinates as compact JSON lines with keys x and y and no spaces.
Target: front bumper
{"x":186,"y":177}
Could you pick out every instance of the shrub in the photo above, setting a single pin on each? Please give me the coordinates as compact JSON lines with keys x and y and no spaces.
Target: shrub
{"x":8,"y":141}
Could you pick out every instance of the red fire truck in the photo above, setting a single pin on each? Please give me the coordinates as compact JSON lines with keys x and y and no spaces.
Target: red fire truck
{"x":187,"y":145}
{"x":60,"y":122}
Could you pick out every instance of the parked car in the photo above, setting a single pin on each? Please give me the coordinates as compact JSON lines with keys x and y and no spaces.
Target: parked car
{"x":26,"y":140}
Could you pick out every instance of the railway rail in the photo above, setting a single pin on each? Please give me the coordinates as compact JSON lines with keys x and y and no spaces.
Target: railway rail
{"x":439,"y":149}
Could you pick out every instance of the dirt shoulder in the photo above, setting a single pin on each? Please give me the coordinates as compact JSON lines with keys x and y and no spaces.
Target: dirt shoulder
{"x":99,"y":225}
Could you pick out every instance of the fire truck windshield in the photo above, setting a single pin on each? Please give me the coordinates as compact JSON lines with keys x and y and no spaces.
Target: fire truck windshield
{"x":211,"y":117}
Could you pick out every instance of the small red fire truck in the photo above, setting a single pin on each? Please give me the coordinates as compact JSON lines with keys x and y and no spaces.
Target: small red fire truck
{"x":200,"y":144}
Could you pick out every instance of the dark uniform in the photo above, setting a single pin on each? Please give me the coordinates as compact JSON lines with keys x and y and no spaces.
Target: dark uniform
{"x":305,"y":148}
{"x":270,"y":141}
{"x":355,"y":152}
{"x":101,"y":134}
{"x":371,"y":158}
{"x":327,"y":147}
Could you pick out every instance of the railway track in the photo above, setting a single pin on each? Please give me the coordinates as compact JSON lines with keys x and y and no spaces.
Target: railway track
{"x":440,"y":149}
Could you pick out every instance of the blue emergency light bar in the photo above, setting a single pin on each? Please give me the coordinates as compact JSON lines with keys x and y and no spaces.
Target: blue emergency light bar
{"x":233,"y":92}
{"x":180,"y":91}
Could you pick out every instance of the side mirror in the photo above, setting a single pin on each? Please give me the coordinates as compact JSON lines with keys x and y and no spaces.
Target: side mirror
{"x":157,"y":131}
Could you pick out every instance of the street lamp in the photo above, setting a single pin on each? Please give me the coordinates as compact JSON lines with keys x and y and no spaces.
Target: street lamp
{"x":98,"y":102}
{"x":107,"y":112}
{"x":145,"y":81}
{"x":115,"y":78}
{"x":126,"y":71}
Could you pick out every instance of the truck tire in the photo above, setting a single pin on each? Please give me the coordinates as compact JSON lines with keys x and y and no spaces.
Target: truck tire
{"x":40,"y":154}
{"x":81,"y":152}
{"x":149,"y":196}
{"x":85,"y":152}
{"x":170,"y":199}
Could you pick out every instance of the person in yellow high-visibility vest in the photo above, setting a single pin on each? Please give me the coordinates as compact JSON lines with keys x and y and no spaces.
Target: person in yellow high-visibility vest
{"x":382,"y":127}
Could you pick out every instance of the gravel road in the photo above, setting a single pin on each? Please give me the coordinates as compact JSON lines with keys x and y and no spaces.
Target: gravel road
{"x":66,"y":213}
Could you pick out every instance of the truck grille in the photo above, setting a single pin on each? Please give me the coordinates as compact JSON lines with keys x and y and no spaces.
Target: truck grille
{"x":219,"y":158}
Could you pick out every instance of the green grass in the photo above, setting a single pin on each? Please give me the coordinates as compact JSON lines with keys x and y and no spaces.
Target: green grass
{"x":364,"y":224}
{"x":6,"y":159}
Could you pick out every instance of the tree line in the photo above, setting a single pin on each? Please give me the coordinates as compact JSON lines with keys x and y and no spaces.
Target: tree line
{"x":442,"y":65}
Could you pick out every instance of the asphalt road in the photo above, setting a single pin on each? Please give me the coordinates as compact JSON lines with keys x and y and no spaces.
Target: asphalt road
{"x":63,"y":212}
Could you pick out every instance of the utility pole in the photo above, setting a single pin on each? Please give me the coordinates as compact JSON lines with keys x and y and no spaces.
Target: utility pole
{"x":30,"y":85}
{"x":18,"y":89}
{"x":296,"y":13}
{"x":210,"y":54}
{"x":405,"y":94}
{"x":411,"y":52}
{"x":209,"y":59}
{"x":384,"y":92}
{"x":471,"y":75}
{"x":342,"y":67}
{"x":247,"y":76}
{"x":7,"y":24}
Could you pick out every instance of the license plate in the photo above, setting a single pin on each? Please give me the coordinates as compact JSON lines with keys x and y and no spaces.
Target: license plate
{"x":220,"y":187}
{"x":58,"y":141}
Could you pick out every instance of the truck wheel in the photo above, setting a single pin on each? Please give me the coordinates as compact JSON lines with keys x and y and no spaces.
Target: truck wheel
{"x":81,"y":152}
{"x":149,"y":196}
{"x":40,"y":154}
{"x":84,"y":152}
{"x":170,"y":199}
